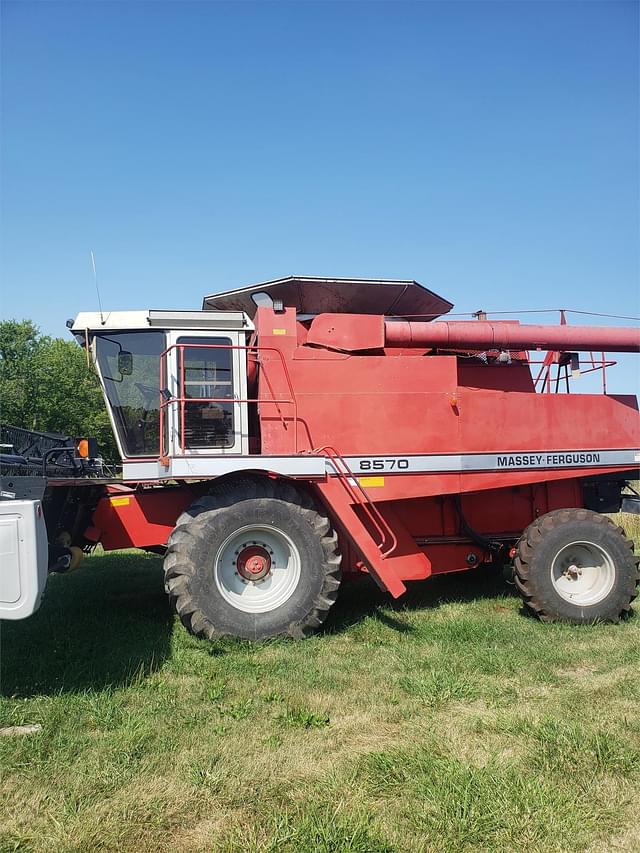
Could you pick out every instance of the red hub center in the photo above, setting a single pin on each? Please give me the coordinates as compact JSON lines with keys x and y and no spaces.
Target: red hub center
{"x":253,"y":563}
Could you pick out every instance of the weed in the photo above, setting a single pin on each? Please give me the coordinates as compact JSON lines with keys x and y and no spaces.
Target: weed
{"x":215,"y":692}
{"x":207,"y":775}
{"x":273,"y":696}
{"x":438,"y":687}
{"x":241,"y":710}
{"x":315,"y":828}
{"x":302,"y":718}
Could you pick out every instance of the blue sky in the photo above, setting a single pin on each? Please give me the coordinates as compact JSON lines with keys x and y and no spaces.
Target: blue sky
{"x":487,"y":149}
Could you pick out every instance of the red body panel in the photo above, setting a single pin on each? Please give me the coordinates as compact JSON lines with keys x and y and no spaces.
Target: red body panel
{"x":141,"y":519}
{"x":373,"y":404}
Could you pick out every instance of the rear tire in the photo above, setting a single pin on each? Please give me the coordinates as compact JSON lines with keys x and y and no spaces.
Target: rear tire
{"x":254,"y":559}
{"x":574,"y":565}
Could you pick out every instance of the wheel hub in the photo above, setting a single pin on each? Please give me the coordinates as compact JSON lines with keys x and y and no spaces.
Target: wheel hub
{"x":257,"y":568}
{"x":583,"y":573}
{"x":253,"y":562}
{"x":573,"y":571}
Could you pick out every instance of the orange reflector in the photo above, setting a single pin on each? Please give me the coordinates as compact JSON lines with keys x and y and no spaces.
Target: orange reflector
{"x":83,"y":448}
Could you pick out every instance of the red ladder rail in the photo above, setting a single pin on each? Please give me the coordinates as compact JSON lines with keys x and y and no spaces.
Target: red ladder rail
{"x":385,"y":545}
{"x":362,"y":499}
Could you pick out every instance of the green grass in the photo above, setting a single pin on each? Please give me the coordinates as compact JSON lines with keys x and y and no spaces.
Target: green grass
{"x":446,"y":722}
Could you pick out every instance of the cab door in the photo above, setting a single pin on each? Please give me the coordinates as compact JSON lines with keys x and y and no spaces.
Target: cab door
{"x":209,"y":376}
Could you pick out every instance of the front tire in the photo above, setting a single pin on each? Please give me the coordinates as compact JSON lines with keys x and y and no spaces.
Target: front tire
{"x":574,"y":565}
{"x":254,"y":559}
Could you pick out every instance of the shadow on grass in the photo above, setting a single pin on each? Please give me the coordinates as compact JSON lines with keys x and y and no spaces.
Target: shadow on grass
{"x":110,"y":623}
{"x":105,"y":625}
{"x":361,"y":597}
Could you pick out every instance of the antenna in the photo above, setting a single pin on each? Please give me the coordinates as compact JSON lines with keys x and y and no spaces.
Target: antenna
{"x":95,"y":279}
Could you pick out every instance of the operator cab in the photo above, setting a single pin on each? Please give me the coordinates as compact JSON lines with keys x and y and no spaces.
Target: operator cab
{"x":174,"y":381}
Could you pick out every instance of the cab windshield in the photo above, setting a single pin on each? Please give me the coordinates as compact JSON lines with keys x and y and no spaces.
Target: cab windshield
{"x":132,"y":384}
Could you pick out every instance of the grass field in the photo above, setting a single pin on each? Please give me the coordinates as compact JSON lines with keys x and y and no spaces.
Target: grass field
{"x":447,"y":722}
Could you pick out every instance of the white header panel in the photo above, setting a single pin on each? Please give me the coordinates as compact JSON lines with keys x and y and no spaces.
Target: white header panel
{"x":95,"y":321}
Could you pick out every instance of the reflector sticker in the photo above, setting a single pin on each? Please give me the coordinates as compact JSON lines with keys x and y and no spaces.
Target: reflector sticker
{"x":120,"y":501}
{"x":279,"y":331}
{"x":371,"y":482}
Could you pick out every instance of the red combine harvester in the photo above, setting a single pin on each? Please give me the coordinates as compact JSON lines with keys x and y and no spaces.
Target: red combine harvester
{"x":299,"y":431}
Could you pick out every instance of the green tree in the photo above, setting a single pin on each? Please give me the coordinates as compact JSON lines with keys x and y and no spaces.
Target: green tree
{"x":46,"y":385}
{"x":19,"y":341}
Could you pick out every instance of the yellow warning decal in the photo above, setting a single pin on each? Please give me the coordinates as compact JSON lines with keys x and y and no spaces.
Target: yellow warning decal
{"x":371,"y":482}
{"x":120,"y":501}
{"x":279,"y":331}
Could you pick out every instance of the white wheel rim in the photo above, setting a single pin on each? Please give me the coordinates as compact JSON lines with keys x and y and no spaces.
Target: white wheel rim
{"x":583,"y":573}
{"x":266,"y":593}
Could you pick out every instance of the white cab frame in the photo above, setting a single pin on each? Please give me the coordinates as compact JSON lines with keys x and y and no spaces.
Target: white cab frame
{"x":239,"y":373}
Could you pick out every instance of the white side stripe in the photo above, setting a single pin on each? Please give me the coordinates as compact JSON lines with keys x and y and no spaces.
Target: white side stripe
{"x":307,"y":465}
{"x":507,"y":461}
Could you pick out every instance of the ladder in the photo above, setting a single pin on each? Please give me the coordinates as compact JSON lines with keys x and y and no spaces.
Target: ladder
{"x":386,"y":546}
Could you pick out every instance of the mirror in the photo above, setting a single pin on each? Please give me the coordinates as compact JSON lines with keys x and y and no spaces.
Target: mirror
{"x":125,"y":363}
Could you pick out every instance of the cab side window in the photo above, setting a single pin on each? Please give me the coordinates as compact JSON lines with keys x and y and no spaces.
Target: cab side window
{"x":206,"y":369}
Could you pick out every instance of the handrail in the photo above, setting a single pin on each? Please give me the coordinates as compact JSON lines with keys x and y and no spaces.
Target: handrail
{"x":182,"y":401}
{"x":545,"y":378}
{"x":361,"y":498}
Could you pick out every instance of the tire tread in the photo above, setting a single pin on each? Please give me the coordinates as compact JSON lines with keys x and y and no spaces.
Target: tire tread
{"x":179,"y":567}
{"x":534,"y":535}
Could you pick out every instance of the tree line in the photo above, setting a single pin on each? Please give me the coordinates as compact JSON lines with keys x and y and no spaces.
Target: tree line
{"x":47,"y":385}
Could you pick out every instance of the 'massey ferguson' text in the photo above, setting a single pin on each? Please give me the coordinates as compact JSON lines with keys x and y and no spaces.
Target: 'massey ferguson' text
{"x":547,"y":459}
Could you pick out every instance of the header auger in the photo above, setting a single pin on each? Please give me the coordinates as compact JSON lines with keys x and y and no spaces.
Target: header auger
{"x":303,"y":431}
